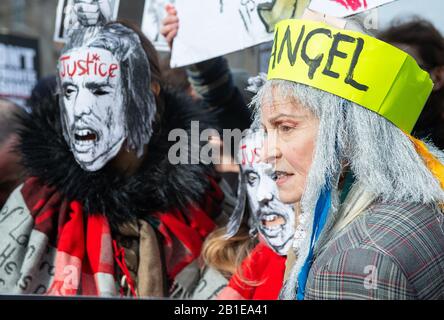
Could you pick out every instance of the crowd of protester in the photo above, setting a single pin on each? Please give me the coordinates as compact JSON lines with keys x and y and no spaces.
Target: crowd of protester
{"x":319,"y":190}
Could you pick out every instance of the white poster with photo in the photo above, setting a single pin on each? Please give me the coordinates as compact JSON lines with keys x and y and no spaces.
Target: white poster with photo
{"x":73,"y":13}
{"x":153,"y":14}
{"x":344,"y":8}
{"x":211,"y":28}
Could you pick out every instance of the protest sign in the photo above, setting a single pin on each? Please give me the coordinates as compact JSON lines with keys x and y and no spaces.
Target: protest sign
{"x":210,"y":28}
{"x":153,"y":14}
{"x":19,"y":67}
{"x":89,"y":11}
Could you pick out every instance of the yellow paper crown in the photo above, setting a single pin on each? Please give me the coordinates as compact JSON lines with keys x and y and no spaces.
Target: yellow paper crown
{"x":352,"y":65}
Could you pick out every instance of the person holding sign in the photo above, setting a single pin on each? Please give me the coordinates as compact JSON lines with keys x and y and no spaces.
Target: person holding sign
{"x":85,"y":13}
{"x":213,"y":81}
{"x":103,"y":211}
{"x":338,"y":109}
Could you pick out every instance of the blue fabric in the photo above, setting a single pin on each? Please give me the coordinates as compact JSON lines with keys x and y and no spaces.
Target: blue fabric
{"x":321,"y":212}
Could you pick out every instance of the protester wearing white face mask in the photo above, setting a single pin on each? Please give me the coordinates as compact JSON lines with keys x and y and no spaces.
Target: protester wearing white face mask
{"x":104,"y":210}
{"x":269,"y":218}
{"x":251,"y":250}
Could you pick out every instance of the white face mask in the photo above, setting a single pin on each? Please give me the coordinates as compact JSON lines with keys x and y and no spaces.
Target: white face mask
{"x":274,"y":220}
{"x":93,"y":105}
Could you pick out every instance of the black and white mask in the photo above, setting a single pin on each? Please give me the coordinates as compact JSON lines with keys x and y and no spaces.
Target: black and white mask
{"x":92,"y":105}
{"x":274,"y":220}
{"x":106,"y":99}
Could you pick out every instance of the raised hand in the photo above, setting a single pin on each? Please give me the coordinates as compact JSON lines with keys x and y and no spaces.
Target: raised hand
{"x":170,"y":25}
{"x":90,"y":12}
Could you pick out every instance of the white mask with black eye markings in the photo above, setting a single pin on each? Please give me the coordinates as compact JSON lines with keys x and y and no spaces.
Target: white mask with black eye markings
{"x":93,"y":105}
{"x":274,"y":220}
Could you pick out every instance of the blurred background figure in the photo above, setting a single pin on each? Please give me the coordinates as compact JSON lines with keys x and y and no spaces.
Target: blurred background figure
{"x":11,"y":172}
{"x":45,"y":91}
{"x":176,"y":78}
{"x":423,"y":41}
{"x":222,"y":89}
{"x":215,"y":82}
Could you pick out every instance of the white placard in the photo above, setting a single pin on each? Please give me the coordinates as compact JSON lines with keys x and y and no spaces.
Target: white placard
{"x":153,"y":14}
{"x":64,"y":10}
{"x":211,"y":28}
{"x":344,"y":8}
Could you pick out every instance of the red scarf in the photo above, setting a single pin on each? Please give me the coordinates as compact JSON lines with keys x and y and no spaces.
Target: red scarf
{"x":85,"y":258}
{"x":265,"y":269}
{"x":184,"y":232}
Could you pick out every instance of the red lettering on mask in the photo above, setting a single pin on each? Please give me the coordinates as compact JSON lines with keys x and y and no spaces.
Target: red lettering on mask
{"x":101,"y":72}
{"x":113,"y":67}
{"x":89,"y":66}
{"x":255,"y":155}
{"x":62,"y":61}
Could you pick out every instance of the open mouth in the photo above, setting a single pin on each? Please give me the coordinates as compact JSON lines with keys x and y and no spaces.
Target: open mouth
{"x":281,"y":177}
{"x":272,"y":221}
{"x":85,"y":139}
{"x":85,"y":135}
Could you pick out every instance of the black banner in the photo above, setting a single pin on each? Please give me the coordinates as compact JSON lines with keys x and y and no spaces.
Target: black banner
{"x":19,"y":67}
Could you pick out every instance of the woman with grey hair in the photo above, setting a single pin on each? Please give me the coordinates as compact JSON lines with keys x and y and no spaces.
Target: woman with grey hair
{"x":337,"y":111}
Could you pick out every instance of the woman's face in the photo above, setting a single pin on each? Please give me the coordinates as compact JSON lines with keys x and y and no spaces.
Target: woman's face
{"x":289,"y":144}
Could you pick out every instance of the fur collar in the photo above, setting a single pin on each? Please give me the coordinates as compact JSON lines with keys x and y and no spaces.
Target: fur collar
{"x":158,"y":186}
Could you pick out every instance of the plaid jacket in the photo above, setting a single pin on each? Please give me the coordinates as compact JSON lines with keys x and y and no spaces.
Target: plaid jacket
{"x":391,"y":251}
